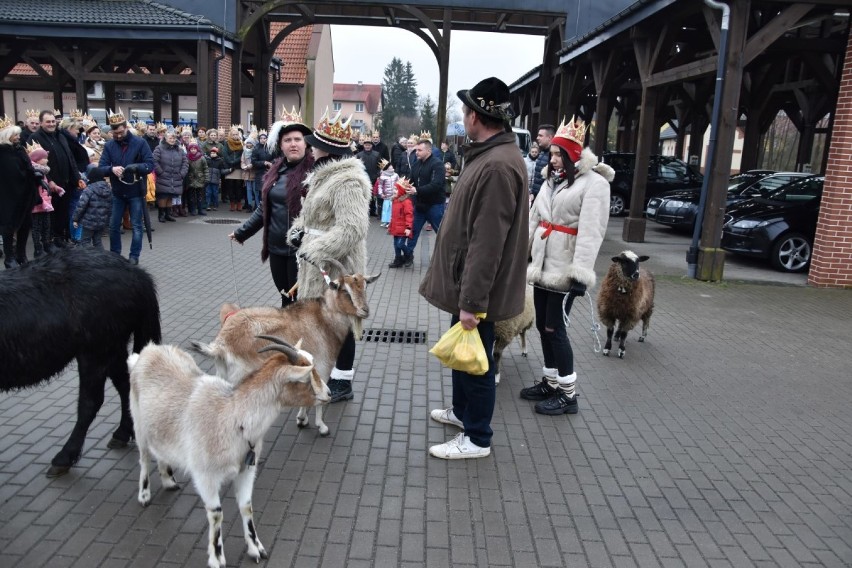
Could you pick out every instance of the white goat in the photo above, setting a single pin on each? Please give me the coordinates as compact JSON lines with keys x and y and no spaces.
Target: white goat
{"x":320,"y":323}
{"x":211,"y":428}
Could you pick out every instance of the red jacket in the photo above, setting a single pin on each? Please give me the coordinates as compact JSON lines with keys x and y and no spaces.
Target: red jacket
{"x":402,"y":215}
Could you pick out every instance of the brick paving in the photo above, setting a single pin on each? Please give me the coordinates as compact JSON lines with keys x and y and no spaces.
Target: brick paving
{"x":724,"y":440}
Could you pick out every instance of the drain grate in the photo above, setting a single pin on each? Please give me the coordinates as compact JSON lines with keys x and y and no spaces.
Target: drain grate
{"x":394,"y":336}
{"x":223,"y":221}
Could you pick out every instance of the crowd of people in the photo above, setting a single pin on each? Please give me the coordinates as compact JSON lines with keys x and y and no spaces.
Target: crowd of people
{"x":502,"y":220}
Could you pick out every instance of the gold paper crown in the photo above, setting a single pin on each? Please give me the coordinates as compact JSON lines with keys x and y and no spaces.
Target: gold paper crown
{"x":237,"y":126}
{"x":414,"y":138}
{"x":425,"y":135}
{"x":383,"y":164}
{"x":33,"y":113}
{"x":57,"y":112}
{"x":376,"y":133}
{"x":574,"y":130}
{"x":403,"y":182}
{"x":116,"y":118}
{"x":292,"y":116}
{"x":6,"y":122}
{"x":88,"y":120}
{"x":262,"y":132}
{"x":334,"y":131}
{"x":161,"y":127}
{"x":33,"y":146}
{"x":76,"y":113}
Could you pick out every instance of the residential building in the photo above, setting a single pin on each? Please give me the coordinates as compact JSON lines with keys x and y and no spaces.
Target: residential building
{"x":360,"y":100}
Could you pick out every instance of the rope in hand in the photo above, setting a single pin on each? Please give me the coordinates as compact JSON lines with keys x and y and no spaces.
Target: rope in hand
{"x":567,"y":302}
{"x":234,"y":271}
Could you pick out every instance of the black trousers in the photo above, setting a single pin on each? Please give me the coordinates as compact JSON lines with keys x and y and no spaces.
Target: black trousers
{"x":284,"y":273}
{"x":555,"y":345}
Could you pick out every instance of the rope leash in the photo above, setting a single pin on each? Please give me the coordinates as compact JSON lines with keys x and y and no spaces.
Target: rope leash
{"x":566,"y":319}
{"x":234,"y":272}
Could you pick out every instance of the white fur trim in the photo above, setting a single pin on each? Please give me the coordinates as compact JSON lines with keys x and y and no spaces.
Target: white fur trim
{"x":548,"y":372}
{"x":342,"y":375}
{"x":567,"y":379}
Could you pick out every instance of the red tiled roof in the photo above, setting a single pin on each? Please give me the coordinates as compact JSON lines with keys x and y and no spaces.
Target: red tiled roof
{"x":293,"y":52}
{"x":371,"y":95}
{"x":24,"y":70}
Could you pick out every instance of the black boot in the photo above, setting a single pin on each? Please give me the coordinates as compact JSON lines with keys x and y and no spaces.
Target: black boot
{"x":397,"y":262}
{"x":560,"y":403}
{"x":539,"y":391}
{"x":409,"y":259}
{"x":340,"y":390}
{"x":162,"y":216}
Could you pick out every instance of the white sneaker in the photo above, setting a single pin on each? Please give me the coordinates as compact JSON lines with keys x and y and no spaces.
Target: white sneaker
{"x":459,"y":448}
{"x":446,"y":417}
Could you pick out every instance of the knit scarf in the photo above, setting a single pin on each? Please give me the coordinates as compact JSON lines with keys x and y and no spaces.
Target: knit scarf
{"x":235,"y":145}
{"x":193,"y":153}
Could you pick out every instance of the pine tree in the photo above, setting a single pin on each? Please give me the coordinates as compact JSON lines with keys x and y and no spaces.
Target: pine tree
{"x":409,"y":92}
{"x":427,"y":117}
{"x":400,"y":90}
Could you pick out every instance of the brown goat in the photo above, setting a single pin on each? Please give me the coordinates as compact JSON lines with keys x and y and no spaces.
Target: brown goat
{"x":626,"y":296}
{"x":320,"y":323}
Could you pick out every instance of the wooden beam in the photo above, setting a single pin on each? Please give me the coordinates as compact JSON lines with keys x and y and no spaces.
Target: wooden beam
{"x":184,"y":56}
{"x":777,"y":26}
{"x":713,"y":21}
{"x":138,"y":79}
{"x":36,"y":67}
{"x":59,"y":56}
{"x":95,"y":59}
{"x":680,"y":73}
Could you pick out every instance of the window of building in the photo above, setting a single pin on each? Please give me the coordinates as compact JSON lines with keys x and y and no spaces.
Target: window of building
{"x":337,"y":106}
{"x":359,"y":107}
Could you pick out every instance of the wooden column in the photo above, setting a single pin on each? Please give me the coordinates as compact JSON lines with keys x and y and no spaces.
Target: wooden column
{"x":751,"y":142}
{"x":634,"y":225}
{"x":443,"y":77}
{"x":157,"y":103}
{"x":175,"y":110}
{"x":203,"y":85}
{"x":711,"y":258}
{"x":109,"y":97}
{"x":79,"y":83}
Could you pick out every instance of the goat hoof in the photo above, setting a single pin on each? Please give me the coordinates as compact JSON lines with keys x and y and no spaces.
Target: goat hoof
{"x":117,"y":444}
{"x":302,"y":424}
{"x":621,"y":354}
{"x":175,"y":487}
{"x":606,"y":352}
{"x":641,"y":340}
{"x":324,"y":433}
{"x":57,"y":470}
{"x":524,"y":354}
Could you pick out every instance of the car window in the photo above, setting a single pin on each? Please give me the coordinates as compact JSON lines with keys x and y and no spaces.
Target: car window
{"x":768,"y":185}
{"x":803,"y":190}
{"x":619,"y":163}
{"x":674,"y":171}
{"x":742,"y":181}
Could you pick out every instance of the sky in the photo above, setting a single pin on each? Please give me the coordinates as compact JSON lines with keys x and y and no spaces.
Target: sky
{"x":362,"y":53}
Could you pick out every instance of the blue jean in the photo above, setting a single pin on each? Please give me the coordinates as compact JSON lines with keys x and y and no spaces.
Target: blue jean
{"x":400,"y":247}
{"x":212,"y":195}
{"x":433,"y":214}
{"x":76,"y":234}
{"x":118,"y":205}
{"x":474,"y":396}
{"x":253,"y":193}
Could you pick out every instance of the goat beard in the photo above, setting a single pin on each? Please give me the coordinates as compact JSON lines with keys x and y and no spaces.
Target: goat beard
{"x":357,"y":326}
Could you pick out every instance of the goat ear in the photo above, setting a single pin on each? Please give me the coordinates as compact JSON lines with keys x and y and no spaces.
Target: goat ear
{"x":295,"y":373}
{"x":298,"y":344}
{"x":643,"y":258}
{"x":373,"y":278}
{"x":334,"y":284}
{"x":616,"y":259}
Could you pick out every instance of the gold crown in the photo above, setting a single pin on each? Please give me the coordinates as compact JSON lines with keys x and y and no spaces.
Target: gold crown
{"x":33,"y":113}
{"x":403,"y":182}
{"x":425,"y":135}
{"x":414,"y":138}
{"x":33,"y":146}
{"x":289,"y":117}
{"x":57,"y":112}
{"x":161,"y":127}
{"x":237,"y":126}
{"x":76,"y":113}
{"x":574,"y":130}
{"x":334,"y":131}
{"x":383,"y":164}
{"x":262,"y":132}
{"x":6,"y":122}
{"x":88,"y":120}
{"x":376,"y":133}
{"x":116,"y":118}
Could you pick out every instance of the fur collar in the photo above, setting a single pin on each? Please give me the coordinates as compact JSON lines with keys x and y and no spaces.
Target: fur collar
{"x":349,"y":166}
{"x":588,"y":162}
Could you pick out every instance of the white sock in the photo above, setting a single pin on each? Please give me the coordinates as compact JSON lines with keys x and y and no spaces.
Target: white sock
{"x":342,"y":375}
{"x":550,"y":376}
{"x":566,"y":384}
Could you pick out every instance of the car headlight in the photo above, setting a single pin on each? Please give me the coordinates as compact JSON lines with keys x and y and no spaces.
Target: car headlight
{"x":752,"y":223}
{"x":675,"y":203}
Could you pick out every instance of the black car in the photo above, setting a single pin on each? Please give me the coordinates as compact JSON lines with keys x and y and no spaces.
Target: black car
{"x":678,"y":208}
{"x":780,"y":226}
{"x":664,"y":174}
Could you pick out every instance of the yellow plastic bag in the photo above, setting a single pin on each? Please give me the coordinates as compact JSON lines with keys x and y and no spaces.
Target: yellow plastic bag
{"x":462,"y":350}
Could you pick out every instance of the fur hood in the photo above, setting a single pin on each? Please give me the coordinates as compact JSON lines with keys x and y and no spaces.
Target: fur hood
{"x":588,"y":162}
{"x":335,"y":218}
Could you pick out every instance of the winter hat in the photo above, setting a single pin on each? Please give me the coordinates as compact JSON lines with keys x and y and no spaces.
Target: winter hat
{"x":93,"y":173}
{"x":214,"y":150}
{"x":193,"y":152}
{"x":36,"y":152}
{"x":570,"y":137}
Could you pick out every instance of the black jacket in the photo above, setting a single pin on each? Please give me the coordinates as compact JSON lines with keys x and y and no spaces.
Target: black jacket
{"x":78,"y":151}
{"x":382,"y":149}
{"x":428,"y":178}
{"x":258,"y":156}
{"x":60,"y":159}
{"x":371,"y":163}
{"x":542,"y":160}
{"x":396,"y":151}
{"x":20,"y":187}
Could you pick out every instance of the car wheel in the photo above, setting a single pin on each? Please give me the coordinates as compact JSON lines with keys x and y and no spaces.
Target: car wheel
{"x":791,"y":253}
{"x":617,"y":205}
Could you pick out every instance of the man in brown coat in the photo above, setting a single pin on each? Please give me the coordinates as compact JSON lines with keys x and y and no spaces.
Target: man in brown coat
{"x":480,"y":258}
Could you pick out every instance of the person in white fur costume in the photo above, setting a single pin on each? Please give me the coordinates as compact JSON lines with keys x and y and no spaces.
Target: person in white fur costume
{"x":333,"y":225}
{"x":567,"y":226}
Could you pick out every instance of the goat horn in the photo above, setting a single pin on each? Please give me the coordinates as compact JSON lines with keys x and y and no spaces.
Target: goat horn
{"x":340,"y":267}
{"x":276,"y":340}
{"x":288,"y":350}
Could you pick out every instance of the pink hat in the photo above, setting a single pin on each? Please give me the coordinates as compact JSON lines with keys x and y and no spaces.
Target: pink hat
{"x":38,"y":155}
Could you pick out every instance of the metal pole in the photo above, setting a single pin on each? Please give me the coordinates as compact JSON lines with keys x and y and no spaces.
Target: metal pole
{"x":692,"y":253}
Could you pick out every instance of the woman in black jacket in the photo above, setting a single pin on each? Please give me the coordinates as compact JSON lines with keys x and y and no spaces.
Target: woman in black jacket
{"x":18,"y":194}
{"x":281,"y":200}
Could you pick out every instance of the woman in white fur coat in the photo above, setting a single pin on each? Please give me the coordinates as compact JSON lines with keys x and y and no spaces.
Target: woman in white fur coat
{"x":333,"y":225}
{"x":567,"y":226}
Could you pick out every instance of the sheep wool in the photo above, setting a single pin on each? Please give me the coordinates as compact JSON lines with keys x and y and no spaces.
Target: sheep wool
{"x":335,"y":220}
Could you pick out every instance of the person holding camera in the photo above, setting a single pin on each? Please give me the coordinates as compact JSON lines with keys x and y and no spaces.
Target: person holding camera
{"x":127,"y":160}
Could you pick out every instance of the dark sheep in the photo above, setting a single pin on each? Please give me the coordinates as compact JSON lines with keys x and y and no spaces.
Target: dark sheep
{"x":83,"y":304}
{"x":626,"y":296}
